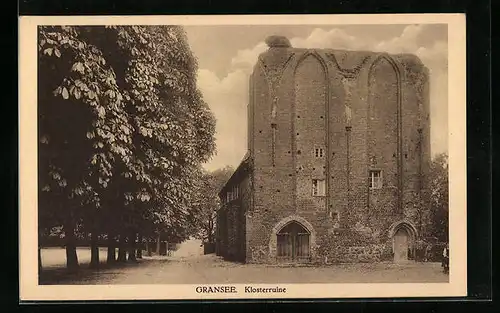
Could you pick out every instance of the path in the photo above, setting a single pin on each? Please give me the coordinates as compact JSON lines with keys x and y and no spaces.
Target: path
{"x":189,"y":266}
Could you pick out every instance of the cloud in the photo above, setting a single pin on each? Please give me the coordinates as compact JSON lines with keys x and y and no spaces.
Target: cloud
{"x":334,"y":38}
{"x":435,"y":57}
{"x":245,"y":59}
{"x":406,"y":43}
{"x":228,"y":96}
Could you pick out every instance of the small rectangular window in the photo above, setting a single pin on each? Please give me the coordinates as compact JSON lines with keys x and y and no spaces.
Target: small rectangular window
{"x":318,"y":187}
{"x":235,"y":192}
{"x":318,"y":152}
{"x":375,"y":178}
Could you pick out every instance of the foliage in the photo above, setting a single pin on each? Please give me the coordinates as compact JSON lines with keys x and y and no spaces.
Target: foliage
{"x":208,"y":202}
{"x":123,"y":128}
{"x":439,"y":200}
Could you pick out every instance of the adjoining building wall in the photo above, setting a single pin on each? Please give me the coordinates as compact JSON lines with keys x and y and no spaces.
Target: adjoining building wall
{"x":231,"y":217}
{"x":367,"y":112}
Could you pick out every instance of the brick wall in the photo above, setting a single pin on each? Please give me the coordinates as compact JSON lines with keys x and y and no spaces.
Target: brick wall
{"x":366,"y":110}
{"x":221,"y":232}
{"x":310,"y":131}
{"x":231,"y":218}
{"x":383,"y":151}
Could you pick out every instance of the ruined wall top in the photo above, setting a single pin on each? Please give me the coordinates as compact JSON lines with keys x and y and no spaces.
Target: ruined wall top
{"x":280,"y":49}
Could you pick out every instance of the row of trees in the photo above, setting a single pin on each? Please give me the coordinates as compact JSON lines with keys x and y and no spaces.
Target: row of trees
{"x":123,"y":131}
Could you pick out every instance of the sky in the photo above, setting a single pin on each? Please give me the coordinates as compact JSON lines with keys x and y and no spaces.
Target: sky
{"x":226,"y":56}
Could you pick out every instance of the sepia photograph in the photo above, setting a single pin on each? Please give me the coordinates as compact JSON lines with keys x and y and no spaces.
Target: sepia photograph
{"x":239,"y":159}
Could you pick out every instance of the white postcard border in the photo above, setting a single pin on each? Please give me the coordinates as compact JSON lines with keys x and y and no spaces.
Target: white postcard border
{"x":29,"y":288}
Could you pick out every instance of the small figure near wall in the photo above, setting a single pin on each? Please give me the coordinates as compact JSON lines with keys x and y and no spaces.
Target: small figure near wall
{"x":428,"y":253}
{"x":446,"y":259}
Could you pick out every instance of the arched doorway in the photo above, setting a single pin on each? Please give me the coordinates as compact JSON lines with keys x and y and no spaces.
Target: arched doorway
{"x":293,"y":242}
{"x":403,"y":236}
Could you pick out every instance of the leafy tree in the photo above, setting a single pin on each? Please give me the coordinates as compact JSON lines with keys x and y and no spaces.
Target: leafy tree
{"x":123,"y":130}
{"x":208,"y":202}
{"x":439,"y":196}
{"x":81,"y":127}
{"x":174,"y":126}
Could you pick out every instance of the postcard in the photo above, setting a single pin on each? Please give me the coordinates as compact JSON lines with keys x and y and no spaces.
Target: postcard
{"x":242,"y":157}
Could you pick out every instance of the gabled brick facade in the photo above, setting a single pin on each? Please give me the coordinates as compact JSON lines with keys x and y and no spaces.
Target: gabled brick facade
{"x":366,"y":111}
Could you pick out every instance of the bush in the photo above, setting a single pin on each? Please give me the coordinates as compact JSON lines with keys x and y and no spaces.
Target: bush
{"x":435,"y":252}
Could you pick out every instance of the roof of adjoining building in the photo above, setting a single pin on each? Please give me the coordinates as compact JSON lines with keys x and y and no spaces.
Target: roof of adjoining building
{"x":245,"y":162}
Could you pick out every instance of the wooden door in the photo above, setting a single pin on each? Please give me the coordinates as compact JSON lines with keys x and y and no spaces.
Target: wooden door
{"x":293,"y":243}
{"x":400,"y":246}
{"x":302,"y":244}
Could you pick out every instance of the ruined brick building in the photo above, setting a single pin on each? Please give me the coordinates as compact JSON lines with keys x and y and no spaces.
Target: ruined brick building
{"x":338,"y":150}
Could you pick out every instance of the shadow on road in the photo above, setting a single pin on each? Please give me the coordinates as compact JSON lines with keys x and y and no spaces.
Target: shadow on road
{"x":105,"y":272}
{"x":210,"y":269}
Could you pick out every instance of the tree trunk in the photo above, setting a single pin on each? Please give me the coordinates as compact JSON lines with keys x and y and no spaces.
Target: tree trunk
{"x":122,"y":252}
{"x":131,"y":245}
{"x":71,"y":256}
{"x":94,"y":250}
{"x":39,"y":252}
{"x":158,"y":243}
{"x":210,"y":230}
{"x":111,"y":258}
{"x":139,"y":248}
{"x":210,"y":237}
{"x":39,"y":260}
